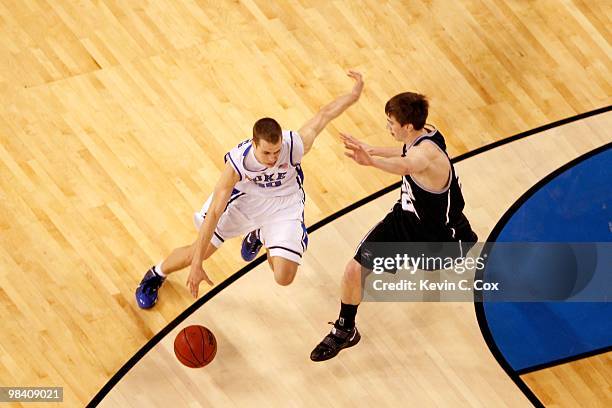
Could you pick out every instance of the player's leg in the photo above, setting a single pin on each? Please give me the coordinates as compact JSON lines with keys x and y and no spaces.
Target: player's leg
{"x":230,"y":224}
{"x":284,"y":270}
{"x":352,"y":283}
{"x":269,"y":258}
{"x":344,"y":334}
{"x":285,"y":242}
{"x":181,"y":258}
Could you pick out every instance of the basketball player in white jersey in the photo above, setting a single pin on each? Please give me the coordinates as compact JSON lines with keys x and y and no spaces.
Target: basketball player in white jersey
{"x":260,"y":193}
{"x":430,"y":207}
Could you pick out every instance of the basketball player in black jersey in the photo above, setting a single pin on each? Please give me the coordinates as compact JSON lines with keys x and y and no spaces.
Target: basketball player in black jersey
{"x":430,"y":208}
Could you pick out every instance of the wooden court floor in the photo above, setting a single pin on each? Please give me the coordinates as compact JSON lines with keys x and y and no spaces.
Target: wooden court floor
{"x":114,"y":117}
{"x":411,"y":354}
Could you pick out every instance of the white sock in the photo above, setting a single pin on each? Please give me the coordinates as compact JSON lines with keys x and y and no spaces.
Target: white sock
{"x":158,"y":270}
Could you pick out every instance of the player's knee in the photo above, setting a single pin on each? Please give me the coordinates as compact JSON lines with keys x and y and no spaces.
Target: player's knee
{"x":352,"y":273}
{"x":284,"y":270}
{"x":284,"y":278}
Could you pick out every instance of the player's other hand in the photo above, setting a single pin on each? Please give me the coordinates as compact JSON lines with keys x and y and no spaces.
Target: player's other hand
{"x":358,"y":87}
{"x":356,"y":150}
{"x":196,"y":276}
{"x":349,"y":139}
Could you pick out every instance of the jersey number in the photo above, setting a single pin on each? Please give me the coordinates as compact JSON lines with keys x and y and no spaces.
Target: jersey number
{"x":407,"y":198}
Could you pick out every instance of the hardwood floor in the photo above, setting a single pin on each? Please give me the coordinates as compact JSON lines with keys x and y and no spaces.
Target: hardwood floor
{"x":114,"y":118}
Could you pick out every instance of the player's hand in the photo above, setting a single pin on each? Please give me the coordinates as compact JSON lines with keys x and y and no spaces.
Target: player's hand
{"x":356,"y":151}
{"x":346,"y":139}
{"x":196,"y":276}
{"x":358,"y":87}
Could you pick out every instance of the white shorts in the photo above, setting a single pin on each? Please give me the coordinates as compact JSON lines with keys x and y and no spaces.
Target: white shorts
{"x":280,"y":221}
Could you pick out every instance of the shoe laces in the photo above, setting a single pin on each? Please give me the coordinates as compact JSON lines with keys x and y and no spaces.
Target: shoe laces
{"x":152,"y":284}
{"x":339,"y":333}
{"x":252,"y":238}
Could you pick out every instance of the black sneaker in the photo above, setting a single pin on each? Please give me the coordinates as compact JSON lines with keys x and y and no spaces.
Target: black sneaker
{"x":335,"y":341}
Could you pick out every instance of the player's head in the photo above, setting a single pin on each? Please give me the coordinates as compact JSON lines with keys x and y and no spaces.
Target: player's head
{"x":406,"y":114}
{"x":268,"y":140}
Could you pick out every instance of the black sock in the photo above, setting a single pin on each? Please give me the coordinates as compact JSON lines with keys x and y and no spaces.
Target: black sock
{"x":346,"y":321}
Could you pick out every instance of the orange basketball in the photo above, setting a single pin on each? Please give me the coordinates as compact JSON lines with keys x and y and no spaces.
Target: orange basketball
{"x":195,"y":346}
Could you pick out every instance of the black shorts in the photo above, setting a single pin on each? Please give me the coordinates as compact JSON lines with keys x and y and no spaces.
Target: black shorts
{"x":403,"y":226}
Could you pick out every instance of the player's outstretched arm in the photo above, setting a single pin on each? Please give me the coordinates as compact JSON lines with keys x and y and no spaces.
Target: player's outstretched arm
{"x":415,"y":161}
{"x":311,"y":129}
{"x":221,"y":195}
{"x":380,"y":151}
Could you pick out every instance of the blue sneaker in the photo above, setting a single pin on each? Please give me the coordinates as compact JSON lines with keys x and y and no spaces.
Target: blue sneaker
{"x":146,"y":292}
{"x":250,"y":246}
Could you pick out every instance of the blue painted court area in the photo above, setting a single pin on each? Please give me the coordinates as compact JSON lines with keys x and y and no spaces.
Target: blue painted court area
{"x":575,"y":206}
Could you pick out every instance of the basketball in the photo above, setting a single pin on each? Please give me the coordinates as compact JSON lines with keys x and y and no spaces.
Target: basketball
{"x":195,"y":346}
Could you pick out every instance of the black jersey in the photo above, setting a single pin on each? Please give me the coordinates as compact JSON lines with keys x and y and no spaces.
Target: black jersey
{"x":439,"y":212}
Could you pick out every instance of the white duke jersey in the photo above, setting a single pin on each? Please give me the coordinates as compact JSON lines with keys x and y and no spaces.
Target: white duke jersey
{"x":285,"y":178}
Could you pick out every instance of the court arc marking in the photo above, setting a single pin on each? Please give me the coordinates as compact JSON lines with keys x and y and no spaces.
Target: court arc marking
{"x":479,"y":306}
{"x":243,"y":271}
